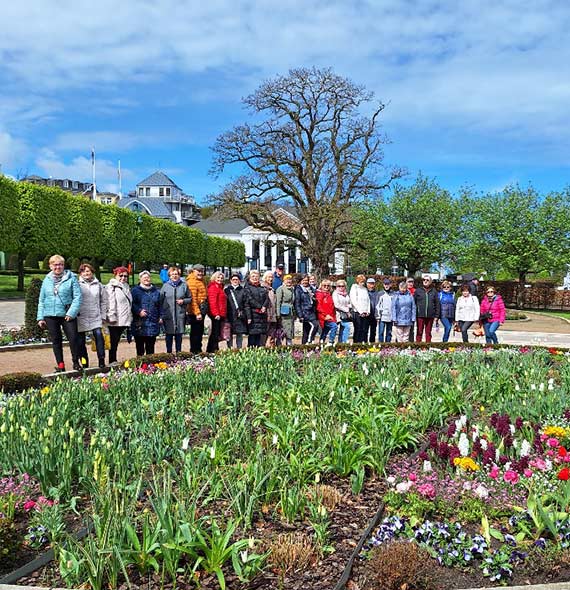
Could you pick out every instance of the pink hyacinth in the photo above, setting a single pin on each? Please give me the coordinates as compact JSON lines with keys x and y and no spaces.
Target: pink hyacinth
{"x":527,"y":473}
{"x":511,"y":476}
{"x":552,"y":442}
{"x":427,"y":490}
{"x":494,"y":473}
{"x":412,"y":477}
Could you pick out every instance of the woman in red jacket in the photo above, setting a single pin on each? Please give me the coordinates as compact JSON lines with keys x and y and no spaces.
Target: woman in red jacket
{"x":217,"y":304}
{"x":326,"y":313}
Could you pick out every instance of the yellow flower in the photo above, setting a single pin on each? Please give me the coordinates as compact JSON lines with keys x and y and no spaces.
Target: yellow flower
{"x":466,"y":463}
{"x":45,"y":390}
{"x":127,"y":364}
{"x":555,"y":431}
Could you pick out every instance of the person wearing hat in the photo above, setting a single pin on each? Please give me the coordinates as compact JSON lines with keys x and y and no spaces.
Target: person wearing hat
{"x":198,"y":307}
{"x":373,"y":295}
{"x":278,"y":276}
{"x":164,"y":273}
{"x":384,"y":312}
{"x":146,"y":314}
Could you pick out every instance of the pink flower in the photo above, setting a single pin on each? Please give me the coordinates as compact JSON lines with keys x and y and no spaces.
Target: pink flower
{"x":539,"y":464}
{"x":511,"y":476}
{"x":550,"y":453}
{"x":552,"y":442}
{"x":527,"y":473}
{"x":427,"y":490}
{"x":494,"y":473}
{"x":29,"y":505}
{"x":412,"y":477}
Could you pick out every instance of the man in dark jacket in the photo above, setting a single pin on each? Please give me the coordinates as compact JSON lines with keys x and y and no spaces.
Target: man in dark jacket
{"x":427,"y":308}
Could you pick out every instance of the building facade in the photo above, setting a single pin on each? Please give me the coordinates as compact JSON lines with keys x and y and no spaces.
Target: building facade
{"x":161,"y":197}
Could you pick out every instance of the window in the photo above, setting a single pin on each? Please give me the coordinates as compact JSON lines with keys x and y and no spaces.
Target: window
{"x":147,"y":191}
{"x":66,"y":184}
{"x":161,"y":192}
{"x":75,"y":184}
{"x":141,"y":191}
{"x":167,"y":191}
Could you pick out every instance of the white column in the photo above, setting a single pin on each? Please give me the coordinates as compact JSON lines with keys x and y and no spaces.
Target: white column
{"x":273,"y":256}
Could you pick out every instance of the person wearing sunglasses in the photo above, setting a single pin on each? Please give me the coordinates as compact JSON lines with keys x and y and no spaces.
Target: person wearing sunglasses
{"x":119,"y":308}
{"x":58,"y":306}
{"x":493,"y":314}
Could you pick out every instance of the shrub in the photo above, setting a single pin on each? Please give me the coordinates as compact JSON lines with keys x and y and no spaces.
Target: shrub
{"x":75,"y":263}
{"x":17,"y":382}
{"x":13,"y":262}
{"x":45,"y":263}
{"x":401,"y":564}
{"x":31,"y":261}
{"x":32,"y":297}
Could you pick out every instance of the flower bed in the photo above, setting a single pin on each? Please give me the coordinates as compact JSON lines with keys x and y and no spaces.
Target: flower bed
{"x":262,"y":467}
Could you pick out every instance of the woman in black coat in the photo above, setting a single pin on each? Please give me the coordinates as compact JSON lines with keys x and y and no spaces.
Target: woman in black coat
{"x":236,"y":311}
{"x":256,"y":302}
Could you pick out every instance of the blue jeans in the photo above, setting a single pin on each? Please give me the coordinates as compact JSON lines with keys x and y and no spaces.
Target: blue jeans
{"x":344,"y":332}
{"x":177,"y":342}
{"x":490,"y":332}
{"x":329,"y":329}
{"x":384,"y":331}
{"x":447,"y":323}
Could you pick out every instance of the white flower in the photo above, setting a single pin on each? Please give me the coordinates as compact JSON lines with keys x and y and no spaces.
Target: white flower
{"x":541,"y":387}
{"x":185,"y":444}
{"x":551,"y":381}
{"x":533,"y":386}
{"x":296,"y":421}
{"x":550,"y":386}
{"x":403,"y":487}
{"x":481,"y":492}
{"x":365,"y":369}
{"x":484,"y":444}
{"x":427,"y":466}
{"x":313,"y":435}
{"x":525,"y":448}
{"x":463,"y":445}
{"x":344,"y":428}
{"x":512,"y":428}
{"x":517,"y":388}
{"x":243,"y":556}
{"x":463,"y":420}
{"x":497,"y":455}
{"x":382,"y":370}
{"x":391,"y":479}
{"x":212,"y":453}
{"x":317,"y":477}
{"x":274,"y":439}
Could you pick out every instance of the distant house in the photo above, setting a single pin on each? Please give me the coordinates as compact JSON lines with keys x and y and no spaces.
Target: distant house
{"x":263,"y":249}
{"x":75,"y":187}
{"x":161,"y":197}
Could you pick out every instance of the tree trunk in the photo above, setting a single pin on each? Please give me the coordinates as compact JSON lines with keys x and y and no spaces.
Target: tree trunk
{"x":20,"y":271}
{"x":520,"y":291}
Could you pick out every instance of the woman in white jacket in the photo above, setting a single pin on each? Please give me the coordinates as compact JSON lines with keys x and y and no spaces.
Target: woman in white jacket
{"x":360,"y":301}
{"x":92,"y":313}
{"x":119,"y":308}
{"x":466,"y":311}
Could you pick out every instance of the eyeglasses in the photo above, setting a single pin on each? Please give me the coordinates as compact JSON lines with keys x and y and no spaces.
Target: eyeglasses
{"x":123,"y":276}
{"x":57,"y":264}
{"x":426,"y":281}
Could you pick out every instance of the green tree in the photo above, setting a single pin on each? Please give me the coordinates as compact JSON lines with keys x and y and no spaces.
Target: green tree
{"x":415,"y":228}
{"x":517,"y":230}
{"x":8,"y":215}
{"x":310,"y":148}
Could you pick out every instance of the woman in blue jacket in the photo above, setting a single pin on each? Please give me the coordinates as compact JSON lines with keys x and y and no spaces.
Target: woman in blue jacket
{"x":146,"y":314}
{"x":403,"y":312}
{"x":58,"y":306}
{"x":447,"y":308}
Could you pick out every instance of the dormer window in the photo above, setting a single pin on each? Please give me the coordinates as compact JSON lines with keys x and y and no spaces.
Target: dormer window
{"x":161,"y":192}
{"x":141,"y":191}
{"x":167,"y":191}
{"x":147,"y":191}
{"x":66,"y":184}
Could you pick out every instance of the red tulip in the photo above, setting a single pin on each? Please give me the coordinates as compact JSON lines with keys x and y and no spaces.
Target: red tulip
{"x":564,"y":474}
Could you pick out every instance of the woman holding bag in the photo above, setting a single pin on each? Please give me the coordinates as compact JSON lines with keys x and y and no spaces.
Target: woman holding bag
{"x":119,"y":303}
{"x":174,"y":297}
{"x":285,"y":306}
{"x":493,"y":314}
{"x":217,"y":303}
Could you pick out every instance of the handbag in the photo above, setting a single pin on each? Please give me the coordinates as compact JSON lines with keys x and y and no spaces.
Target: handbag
{"x":285,"y":309}
{"x":486,"y":317}
{"x":478,"y":332}
{"x":456,"y":327}
{"x":204,"y":308}
{"x":226,"y":331}
{"x":345,"y":316}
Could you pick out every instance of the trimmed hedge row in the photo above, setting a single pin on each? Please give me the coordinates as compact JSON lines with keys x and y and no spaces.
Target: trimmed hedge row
{"x":43,"y":220}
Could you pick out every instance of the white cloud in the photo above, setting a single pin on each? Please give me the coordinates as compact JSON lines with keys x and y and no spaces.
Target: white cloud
{"x":79,"y":168}
{"x":12,"y":151}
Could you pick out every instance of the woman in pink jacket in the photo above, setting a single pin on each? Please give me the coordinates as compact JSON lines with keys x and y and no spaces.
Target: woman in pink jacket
{"x":493,"y":314}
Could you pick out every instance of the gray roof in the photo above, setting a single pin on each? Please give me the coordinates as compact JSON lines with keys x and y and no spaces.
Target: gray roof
{"x":156,"y":207}
{"x":157,"y":179}
{"x":214,"y":225}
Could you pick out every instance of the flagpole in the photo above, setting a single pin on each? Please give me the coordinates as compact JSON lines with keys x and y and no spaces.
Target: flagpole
{"x":93,"y":170}
{"x":120,"y":183}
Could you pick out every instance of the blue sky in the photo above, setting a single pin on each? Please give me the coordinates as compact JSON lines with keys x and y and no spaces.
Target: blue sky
{"x":478,"y":92}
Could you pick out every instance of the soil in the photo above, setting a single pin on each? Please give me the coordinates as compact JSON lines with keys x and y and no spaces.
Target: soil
{"x":347,"y":522}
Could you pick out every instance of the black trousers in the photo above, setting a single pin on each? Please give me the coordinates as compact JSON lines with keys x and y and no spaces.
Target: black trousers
{"x":464,"y":325}
{"x":145,"y":344}
{"x":196,"y":334}
{"x":99,"y":344}
{"x":372,"y":327}
{"x":311,"y":330}
{"x":115,"y":332}
{"x":360,"y":328}
{"x":214,"y":338}
{"x":54,"y":325}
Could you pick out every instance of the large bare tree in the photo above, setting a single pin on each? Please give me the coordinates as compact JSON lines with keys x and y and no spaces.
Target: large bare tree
{"x":310,"y":148}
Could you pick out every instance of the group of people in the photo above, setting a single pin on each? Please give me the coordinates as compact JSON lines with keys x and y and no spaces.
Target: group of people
{"x":262,"y":307}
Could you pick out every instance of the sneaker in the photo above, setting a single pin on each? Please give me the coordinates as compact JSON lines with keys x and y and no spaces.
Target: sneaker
{"x":102,"y":364}
{"x":77,"y":366}
{"x":60,"y":368}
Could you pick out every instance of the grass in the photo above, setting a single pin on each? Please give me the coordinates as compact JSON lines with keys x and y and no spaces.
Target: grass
{"x":9,"y":283}
{"x":556,"y":314}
